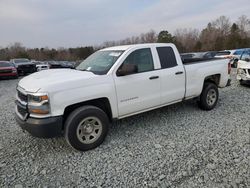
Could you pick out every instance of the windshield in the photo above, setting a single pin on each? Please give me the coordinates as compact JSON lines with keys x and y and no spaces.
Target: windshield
{"x":245,"y":56}
{"x":5,"y":64}
{"x":223,"y":53}
{"x":100,"y":62}
{"x":21,"y":60}
{"x":238,"y":52}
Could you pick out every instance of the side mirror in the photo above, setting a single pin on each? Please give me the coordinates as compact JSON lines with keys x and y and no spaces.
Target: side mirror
{"x":127,"y":69}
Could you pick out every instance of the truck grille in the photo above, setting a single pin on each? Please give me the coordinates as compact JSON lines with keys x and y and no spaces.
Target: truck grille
{"x":21,"y":104}
{"x":27,"y":68}
{"x":22,"y":96}
{"x":22,"y":111}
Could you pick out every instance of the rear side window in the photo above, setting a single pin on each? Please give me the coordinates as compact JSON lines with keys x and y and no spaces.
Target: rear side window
{"x":167,"y":57}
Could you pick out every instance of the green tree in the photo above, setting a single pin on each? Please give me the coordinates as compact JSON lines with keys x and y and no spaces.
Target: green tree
{"x":165,"y":37}
{"x":234,"y":38}
{"x":22,"y":54}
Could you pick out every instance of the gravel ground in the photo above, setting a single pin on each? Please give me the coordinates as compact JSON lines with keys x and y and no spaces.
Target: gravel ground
{"x":175,"y":146}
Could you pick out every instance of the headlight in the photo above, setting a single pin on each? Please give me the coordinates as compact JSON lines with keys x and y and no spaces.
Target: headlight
{"x":38,"y":104}
{"x":241,"y":71}
{"x":38,"y":98}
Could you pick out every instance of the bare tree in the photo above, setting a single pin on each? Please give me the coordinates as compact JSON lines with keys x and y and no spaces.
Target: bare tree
{"x":244,"y":26}
{"x":187,"y":38}
{"x":223,"y":24}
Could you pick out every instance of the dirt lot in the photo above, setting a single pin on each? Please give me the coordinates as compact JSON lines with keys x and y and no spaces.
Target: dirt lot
{"x":176,"y":146}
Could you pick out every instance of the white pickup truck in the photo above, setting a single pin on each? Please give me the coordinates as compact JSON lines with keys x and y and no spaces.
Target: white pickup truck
{"x":113,"y":83}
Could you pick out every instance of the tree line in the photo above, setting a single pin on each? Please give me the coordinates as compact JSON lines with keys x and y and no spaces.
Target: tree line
{"x":219,"y":34}
{"x":70,"y":54}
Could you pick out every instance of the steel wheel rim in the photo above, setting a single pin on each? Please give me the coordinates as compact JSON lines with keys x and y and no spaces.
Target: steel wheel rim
{"x":89,"y":130}
{"x":211,"y":97}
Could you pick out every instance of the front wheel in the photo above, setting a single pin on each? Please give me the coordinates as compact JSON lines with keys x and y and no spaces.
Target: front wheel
{"x":209,"y":96}
{"x":86,"y":128}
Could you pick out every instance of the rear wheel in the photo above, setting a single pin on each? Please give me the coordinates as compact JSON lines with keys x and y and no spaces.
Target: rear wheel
{"x":86,"y":128}
{"x":209,"y":96}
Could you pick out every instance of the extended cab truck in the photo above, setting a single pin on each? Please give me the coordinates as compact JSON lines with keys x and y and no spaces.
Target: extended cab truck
{"x":113,"y":83}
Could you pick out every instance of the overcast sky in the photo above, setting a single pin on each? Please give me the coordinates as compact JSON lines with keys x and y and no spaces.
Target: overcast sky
{"x":72,"y":23}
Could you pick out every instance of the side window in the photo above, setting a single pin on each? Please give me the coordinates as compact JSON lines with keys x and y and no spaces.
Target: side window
{"x":167,"y":57}
{"x":142,"y":58}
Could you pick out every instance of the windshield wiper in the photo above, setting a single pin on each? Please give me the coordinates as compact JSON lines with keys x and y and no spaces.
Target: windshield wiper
{"x":84,"y":70}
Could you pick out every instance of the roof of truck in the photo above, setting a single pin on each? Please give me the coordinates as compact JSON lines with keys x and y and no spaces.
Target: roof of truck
{"x":126,"y":47}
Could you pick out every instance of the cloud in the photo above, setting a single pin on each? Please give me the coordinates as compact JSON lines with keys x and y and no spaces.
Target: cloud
{"x":77,"y":23}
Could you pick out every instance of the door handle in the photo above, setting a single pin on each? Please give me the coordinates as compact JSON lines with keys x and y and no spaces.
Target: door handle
{"x":180,"y":72}
{"x":153,"y":77}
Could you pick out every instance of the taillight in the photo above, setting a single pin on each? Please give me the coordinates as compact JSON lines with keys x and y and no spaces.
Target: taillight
{"x":229,"y":68}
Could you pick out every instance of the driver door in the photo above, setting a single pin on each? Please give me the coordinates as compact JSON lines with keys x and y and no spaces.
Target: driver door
{"x":139,"y":91}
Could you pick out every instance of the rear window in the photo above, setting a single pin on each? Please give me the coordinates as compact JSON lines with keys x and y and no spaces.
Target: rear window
{"x":167,"y":57}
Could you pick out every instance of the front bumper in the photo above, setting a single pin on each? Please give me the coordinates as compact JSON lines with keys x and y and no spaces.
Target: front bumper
{"x":8,"y":74}
{"x":243,"y":77}
{"x":42,"y":128}
{"x":243,"y":74}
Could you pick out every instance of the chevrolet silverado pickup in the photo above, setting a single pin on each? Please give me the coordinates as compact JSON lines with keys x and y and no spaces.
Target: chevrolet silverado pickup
{"x":113,"y":83}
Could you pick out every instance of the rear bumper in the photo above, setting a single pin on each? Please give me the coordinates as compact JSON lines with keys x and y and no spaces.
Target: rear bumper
{"x":42,"y":128}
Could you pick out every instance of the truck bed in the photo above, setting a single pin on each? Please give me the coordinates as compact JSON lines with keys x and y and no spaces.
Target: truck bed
{"x":198,"y":60}
{"x":197,"y":71}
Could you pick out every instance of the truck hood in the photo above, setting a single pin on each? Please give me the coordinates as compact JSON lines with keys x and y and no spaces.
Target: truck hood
{"x":55,"y":79}
{"x":243,"y":64}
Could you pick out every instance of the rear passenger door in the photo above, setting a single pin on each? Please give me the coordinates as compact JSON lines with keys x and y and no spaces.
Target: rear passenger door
{"x":172,"y":76}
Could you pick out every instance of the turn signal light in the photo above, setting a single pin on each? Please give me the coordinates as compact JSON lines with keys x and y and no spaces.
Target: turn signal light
{"x":38,"y":111}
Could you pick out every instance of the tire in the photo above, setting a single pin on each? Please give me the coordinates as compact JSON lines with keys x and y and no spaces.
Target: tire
{"x":86,"y":128}
{"x":241,"y":82}
{"x":209,"y":96}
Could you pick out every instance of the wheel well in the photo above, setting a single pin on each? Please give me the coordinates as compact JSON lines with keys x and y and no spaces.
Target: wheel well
{"x":102,"y":103}
{"x":213,"y":78}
